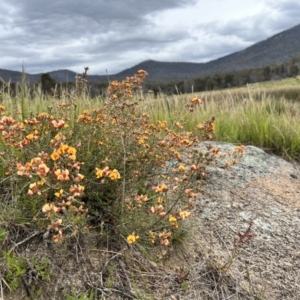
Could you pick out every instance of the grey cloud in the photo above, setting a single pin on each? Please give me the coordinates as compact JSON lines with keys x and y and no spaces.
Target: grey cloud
{"x":60,"y":29}
{"x":115,"y":35}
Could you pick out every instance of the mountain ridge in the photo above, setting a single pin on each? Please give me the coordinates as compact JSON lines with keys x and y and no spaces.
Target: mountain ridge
{"x":274,"y":50}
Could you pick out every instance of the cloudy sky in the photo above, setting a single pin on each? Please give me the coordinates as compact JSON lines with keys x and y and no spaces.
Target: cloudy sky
{"x":114,"y":35}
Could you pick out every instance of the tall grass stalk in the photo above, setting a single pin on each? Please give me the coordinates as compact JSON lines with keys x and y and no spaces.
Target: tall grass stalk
{"x":254,"y":115}
{"x":249,"y":116}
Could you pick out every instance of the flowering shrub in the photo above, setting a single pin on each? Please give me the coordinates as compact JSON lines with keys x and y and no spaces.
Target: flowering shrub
{"x":113,"y":166}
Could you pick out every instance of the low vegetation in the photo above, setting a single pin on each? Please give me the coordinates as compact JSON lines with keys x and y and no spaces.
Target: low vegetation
{"x":120,"y":172}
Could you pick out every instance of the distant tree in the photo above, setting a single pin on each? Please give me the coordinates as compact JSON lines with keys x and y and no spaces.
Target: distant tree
{"x":229,"y":80}
{"x":294,"y":70}
{"x":218,"y":81}
{"x":267,"y":73}
{"x":276,"y":70}
{"x":48,"y":83}
{"x":200,"y":84}
{"x":180,"y":87}
{"x":153,"y":88}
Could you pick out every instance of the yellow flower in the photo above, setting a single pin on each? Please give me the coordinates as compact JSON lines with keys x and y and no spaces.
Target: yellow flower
{"x":114,"y":174}
{"x":152,"y":236}
{"x":55,"y":155}
{"x":72,"y":157}
{"x":163,"y":124}
{"x":71,"y":151}
{"x":177,"y":155}
{"x":185,"y":142}
{"x":41,"y":182}
{"x":160,"y":200}
{"x":132,"y":238}
{"x":63,"y":149}
{"x":29,"y":136}
{"x":99,"y":173}
{"x":184,"y":214}
{"x":58,"y":194}
{"x":172,"y":219}
{"x":58,"y":237}
{"x":181,"y":167}
{"x":161,"y":188}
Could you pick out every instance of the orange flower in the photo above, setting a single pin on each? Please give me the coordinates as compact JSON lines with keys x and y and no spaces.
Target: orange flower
{"x":165,"y":242}
{"x":193,"y":167}
{"x":62,"y":175}
{"x":57,"y":125}
{"x":76,"y":190}
{"x":42,"y":170}
{"x":200,"y":127}
{"x":33,"y":189}
{"x":178,"y":125}
{"x":24,"y":170}
{"x":239,"y":149}
{"x":7,"y":120}
{"x":177,"y":155}
{"x":81,"y":210}
{"x":50,"y":208}
{"x":79,"y":177}
{"x":196,"y":100}
{"x":56,"y":224}
{"x":186,"y":142}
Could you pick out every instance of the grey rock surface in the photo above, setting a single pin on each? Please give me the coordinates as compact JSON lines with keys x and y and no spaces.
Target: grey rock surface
{"x":263,"y":189}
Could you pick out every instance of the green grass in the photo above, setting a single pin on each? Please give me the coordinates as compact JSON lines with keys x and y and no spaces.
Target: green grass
{"x":263,"y":114}
{"x":251,"y":116}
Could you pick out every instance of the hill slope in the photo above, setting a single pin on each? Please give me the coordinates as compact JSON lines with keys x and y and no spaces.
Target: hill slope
{"x":275,"y":50}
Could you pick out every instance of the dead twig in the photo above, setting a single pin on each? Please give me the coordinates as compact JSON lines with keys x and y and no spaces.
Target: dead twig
{"x":24,"y":241}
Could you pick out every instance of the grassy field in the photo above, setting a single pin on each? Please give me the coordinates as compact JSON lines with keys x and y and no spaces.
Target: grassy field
{"x":73,"y":167}
{"x":266,"y":117}
{"x":263,"y":114}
